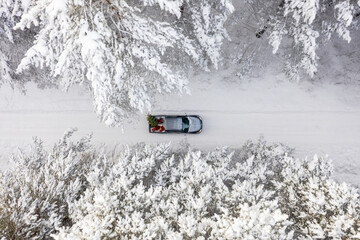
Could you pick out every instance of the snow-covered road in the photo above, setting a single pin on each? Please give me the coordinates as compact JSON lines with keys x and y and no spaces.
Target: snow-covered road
{"x":308,"y":118}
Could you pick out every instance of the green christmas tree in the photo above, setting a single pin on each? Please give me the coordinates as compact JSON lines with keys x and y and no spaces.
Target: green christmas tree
{"x":153,"y":122}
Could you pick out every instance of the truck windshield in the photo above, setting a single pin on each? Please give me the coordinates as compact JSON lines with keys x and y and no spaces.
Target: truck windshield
{"x":185,"y":126}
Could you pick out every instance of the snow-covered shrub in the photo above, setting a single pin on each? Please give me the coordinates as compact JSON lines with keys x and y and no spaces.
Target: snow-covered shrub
{"x":123,"y":51}
{"x":151,"y":192}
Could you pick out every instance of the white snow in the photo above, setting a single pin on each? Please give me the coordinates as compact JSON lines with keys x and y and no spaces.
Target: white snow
{"x":322,"y":119}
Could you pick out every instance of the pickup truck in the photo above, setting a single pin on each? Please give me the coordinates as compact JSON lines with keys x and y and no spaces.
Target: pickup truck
{"x":177,"y":124}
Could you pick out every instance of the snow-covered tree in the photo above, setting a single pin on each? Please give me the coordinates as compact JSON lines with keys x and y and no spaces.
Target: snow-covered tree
{"x":34,"y":195}
{"x":296,"y":29}
{"x":10,"y":13}
{"x":13,"y":45}
{"x":317,"y":206}
{"x":150,"y":192}
{"x":123,"y":51}
{"x":6,"y":72}
{"x":9,"y":10}
{"x":305,"y":21}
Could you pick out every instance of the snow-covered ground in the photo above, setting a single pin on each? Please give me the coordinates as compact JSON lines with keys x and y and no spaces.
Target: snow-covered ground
{"x":322,"y":119}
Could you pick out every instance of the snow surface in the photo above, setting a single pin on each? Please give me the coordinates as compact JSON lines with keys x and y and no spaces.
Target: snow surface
{"x":313,"y":118}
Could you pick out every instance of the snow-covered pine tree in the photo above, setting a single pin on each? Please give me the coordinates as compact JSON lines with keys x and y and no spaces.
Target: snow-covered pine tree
{"x":9,"y":11}
{"x":35,"y":193}
{"x":75,"y":191}
{"x":124,"y":51}
{"x":298,"y":28}
{"x":317,"y":206}
{"x":6,"y":72}
{"x":320,"y":208}
{"x":14,"y":44}
{"x":150,"y":193}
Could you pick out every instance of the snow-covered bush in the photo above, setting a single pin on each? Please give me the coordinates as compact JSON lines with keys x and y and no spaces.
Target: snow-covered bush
{"x":123,"y":51}
{"x":152,"y":192}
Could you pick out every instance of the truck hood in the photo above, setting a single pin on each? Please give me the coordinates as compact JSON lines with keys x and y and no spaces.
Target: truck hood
{"x":195,"y":124}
